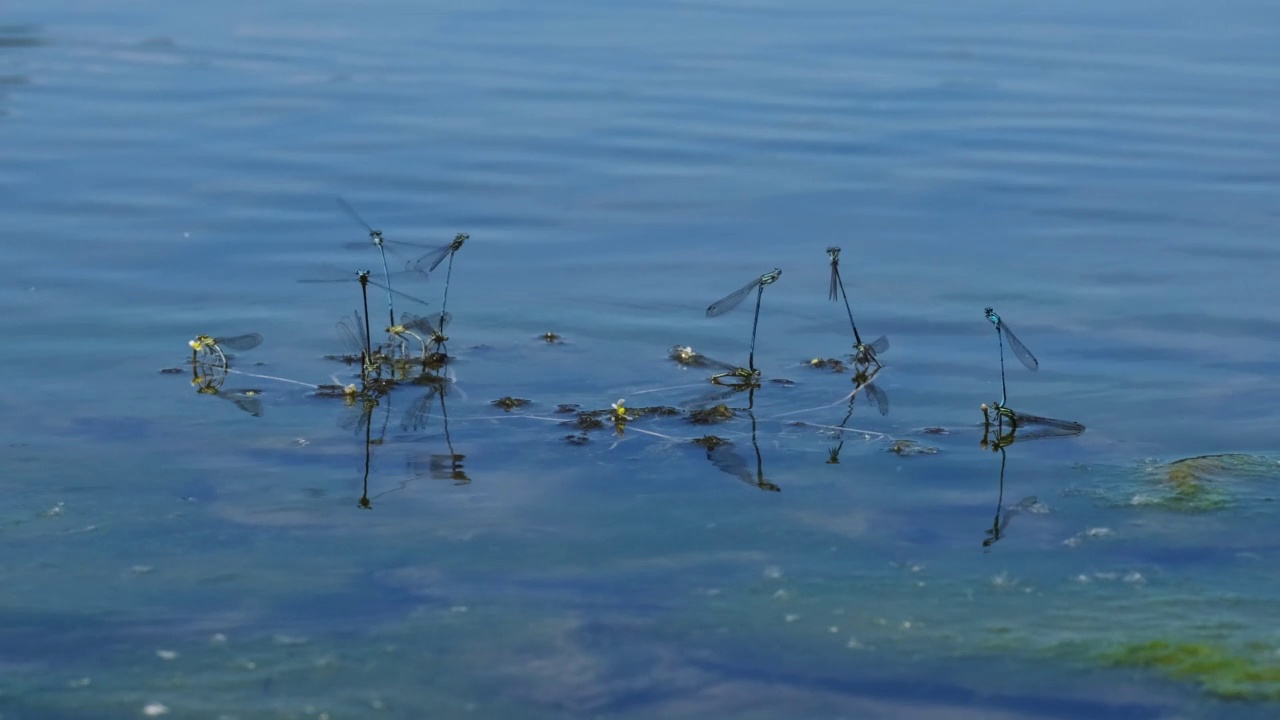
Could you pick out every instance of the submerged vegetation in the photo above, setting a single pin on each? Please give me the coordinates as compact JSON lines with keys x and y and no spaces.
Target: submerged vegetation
{"x":1219,"y":671}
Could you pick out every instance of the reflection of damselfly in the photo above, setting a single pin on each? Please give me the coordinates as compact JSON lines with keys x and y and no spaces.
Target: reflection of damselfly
{"x":719,"y":396}
{"x":439,"y":466}
{"x":863,"y":383}
{"x":358,"y":416}
{"x":208,"y":380}
{"x":863,"y":353}
{"x":211,"y":346}
{"x":1003,"y":516}
{"x":733,"y":299}
{"x":723,"y":456}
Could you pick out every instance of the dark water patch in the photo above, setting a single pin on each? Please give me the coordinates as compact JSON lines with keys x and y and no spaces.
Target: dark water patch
{"x":920,"y":689}
{"x":22,"y":36}
{"x":113,"y":429}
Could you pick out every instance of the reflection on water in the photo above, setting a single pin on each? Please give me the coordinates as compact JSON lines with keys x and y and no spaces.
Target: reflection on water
{"x":863,"y":383}
{"x":16,"y":38}
{"x":208,"y":379}
{"x":728,"y":459}
{"x":1008,"y":428}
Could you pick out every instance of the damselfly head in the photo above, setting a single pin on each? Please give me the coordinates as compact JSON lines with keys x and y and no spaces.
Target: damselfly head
{"x":458,"y":240}
{"x":991,"y":315}
{"x":770,"y":277}
{"x":376,"y":236}
{"x":834,"y":253}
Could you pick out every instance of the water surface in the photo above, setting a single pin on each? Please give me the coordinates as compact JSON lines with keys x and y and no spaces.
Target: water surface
{"x":1102,"y":174}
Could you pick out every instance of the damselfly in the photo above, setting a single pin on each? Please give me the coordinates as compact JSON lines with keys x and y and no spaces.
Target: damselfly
{"x":998,"y":415}
{"x":383,"y":245}
{"x":432,"y":330}
{"x":211,"y":346}
{"x":733,"y":299}
{"x":428,"y":263}
{"x":1003,"y":331}
{"x":863,"y":353}
{"x":335,"y":274}
{"x":354,"y":334}
{"x":688,"y":356}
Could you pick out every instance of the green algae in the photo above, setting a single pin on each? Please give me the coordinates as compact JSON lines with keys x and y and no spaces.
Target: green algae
{"x":1217,"y":670}
{"x":1206,"y":483}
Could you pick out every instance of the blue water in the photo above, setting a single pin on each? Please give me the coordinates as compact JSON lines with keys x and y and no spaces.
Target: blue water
{"x":1102,"y":174}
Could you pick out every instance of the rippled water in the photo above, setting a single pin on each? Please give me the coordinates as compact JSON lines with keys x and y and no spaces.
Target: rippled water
{"x":1103,"y":174}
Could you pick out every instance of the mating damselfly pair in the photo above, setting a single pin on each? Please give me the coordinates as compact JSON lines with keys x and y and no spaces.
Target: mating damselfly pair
{"x":863,"y":353}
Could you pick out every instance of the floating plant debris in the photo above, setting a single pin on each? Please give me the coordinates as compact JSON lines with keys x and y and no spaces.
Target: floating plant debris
{"x":911,"y":447}
{"x":510,"y":403}
{"x":711,"y":415}
{"x":831,"y":364}
{"x":710,"y":442}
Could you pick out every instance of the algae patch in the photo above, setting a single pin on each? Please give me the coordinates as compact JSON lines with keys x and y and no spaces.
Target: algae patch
{"x":1215,"y":669}
{"x":1206,"y":483}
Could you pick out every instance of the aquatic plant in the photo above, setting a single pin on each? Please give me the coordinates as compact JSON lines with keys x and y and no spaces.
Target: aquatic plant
{"x":1219,"y":671}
